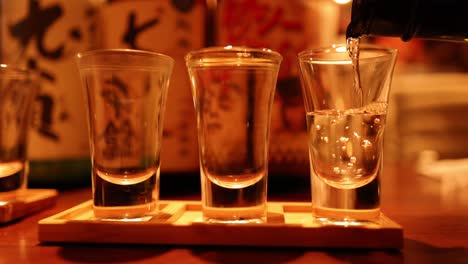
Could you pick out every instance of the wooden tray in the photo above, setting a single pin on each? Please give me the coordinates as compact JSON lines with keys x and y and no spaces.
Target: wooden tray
{"x":17,"y":204}
{"x":180,"y":223}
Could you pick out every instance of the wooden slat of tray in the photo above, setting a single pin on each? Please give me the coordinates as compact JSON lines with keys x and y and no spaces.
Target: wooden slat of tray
{"x":180,"y":223}
{"x":17,"y":204}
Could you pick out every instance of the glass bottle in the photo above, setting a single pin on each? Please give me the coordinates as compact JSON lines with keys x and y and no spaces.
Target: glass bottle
{"x":407,"y":19}
{"x":287,"y":27}
{"x":171,"y":27}
{"x":44,"y":36}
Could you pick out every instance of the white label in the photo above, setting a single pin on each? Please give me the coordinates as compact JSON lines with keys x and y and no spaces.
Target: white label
{"x":173,"y":28}
{"x":45,"y":36}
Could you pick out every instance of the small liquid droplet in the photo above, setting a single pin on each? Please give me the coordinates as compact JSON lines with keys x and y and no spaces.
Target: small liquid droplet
{"x":336,"y":170}
{"x":366,"y":143}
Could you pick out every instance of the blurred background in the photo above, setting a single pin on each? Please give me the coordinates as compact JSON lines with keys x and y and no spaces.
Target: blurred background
{"x":429,"y":98}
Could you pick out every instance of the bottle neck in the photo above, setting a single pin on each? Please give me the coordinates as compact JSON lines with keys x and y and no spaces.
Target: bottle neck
{"x":390,"y":18}
{"x":442,"y":20}
{"x":435,"y":19}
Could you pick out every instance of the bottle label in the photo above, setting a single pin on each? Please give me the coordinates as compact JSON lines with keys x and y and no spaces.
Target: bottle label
{"x":173,"y":28}
{"x":287,"y":27}
{"x":44,"y":36}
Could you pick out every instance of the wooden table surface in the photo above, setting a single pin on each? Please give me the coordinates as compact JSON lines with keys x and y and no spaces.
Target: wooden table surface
{"x":435,"y":223}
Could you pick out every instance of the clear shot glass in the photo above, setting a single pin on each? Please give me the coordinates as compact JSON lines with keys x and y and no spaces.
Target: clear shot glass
{"x":346,"y":108}
{"x":18,"y":91}
{"x":125,"y":92}
{"x":233,"y":90}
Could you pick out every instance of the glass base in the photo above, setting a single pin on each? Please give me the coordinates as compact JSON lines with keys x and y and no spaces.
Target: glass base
{"x":238,"y":215}
{"x":346,"y":217}
{"x":133,"y":213}
{"x":234,"y":221}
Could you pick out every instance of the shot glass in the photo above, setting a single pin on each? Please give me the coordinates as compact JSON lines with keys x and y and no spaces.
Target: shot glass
{"x":17,"y":93}
{"x":233,"y":89}
{"x":346,"y":108}
{"x":125,"y":92}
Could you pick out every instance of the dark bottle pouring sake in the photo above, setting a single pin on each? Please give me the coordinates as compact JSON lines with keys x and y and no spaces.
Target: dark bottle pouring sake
{"x":407,"y":19}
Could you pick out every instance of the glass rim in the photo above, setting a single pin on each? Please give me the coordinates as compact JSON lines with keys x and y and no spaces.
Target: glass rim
{"x":316,"y":53}
{"x":235,"y":52}
{"x":141,"y":53}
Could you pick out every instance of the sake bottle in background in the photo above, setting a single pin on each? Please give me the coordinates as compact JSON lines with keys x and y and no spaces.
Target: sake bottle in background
{"x":287,"y":27}
{"x":44,"y":36}
{"x":171,"y":27}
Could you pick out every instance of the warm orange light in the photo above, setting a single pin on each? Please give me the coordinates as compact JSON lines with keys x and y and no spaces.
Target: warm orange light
{"x":342,"y":2}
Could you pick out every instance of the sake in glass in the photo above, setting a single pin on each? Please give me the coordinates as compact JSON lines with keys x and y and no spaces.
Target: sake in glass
{"x":346,"y":107}
{"x":125,"y":92}
{"x":233,"y":90}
